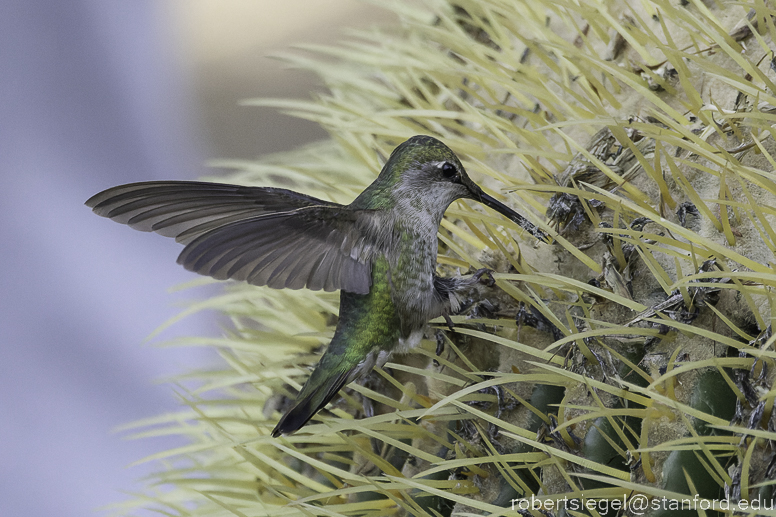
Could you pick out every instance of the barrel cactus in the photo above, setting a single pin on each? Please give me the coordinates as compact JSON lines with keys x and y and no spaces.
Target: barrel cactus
{"x":632,"y":356}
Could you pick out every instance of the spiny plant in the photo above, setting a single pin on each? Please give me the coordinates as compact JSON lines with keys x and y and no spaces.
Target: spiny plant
{"x":632,"y":356}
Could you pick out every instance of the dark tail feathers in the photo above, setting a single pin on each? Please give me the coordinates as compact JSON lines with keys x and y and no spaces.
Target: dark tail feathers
{"x":307,"y":406}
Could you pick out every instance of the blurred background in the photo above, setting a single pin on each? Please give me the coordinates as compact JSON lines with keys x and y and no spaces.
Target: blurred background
{"x":95,"y":93}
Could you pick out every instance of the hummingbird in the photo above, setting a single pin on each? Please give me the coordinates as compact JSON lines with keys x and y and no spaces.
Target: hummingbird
{"x":380,"y":252}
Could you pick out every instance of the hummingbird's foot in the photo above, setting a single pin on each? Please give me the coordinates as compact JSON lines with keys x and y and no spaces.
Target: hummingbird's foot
{"x":484,"y":276}
{"x":440,"y":344}
{"x":449,"y":322}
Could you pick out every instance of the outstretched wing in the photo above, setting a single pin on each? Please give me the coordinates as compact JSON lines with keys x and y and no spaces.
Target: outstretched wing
{"x":265,"y":236}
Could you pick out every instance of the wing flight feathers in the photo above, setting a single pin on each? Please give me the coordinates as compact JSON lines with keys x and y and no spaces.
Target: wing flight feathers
{"x":262,"y":235}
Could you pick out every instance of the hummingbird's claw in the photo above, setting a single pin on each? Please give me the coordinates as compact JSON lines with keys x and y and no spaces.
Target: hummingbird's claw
{"x":440,"y":344}
{"x":449,"y":322}
{"x":488,"y":279}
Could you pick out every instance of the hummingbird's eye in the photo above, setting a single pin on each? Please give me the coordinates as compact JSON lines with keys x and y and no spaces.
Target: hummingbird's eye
{"x":448,"y":170}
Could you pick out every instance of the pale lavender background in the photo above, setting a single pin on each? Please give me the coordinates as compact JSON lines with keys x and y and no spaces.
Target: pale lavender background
{"x":94,"y":93}
{"x":91,"y":95}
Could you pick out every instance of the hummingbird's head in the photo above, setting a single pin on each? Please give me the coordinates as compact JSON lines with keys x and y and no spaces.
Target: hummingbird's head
{"x":423,"y":175}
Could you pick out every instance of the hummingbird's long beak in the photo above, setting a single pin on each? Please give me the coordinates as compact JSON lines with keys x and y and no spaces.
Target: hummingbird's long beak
{"x":479,"y":195}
